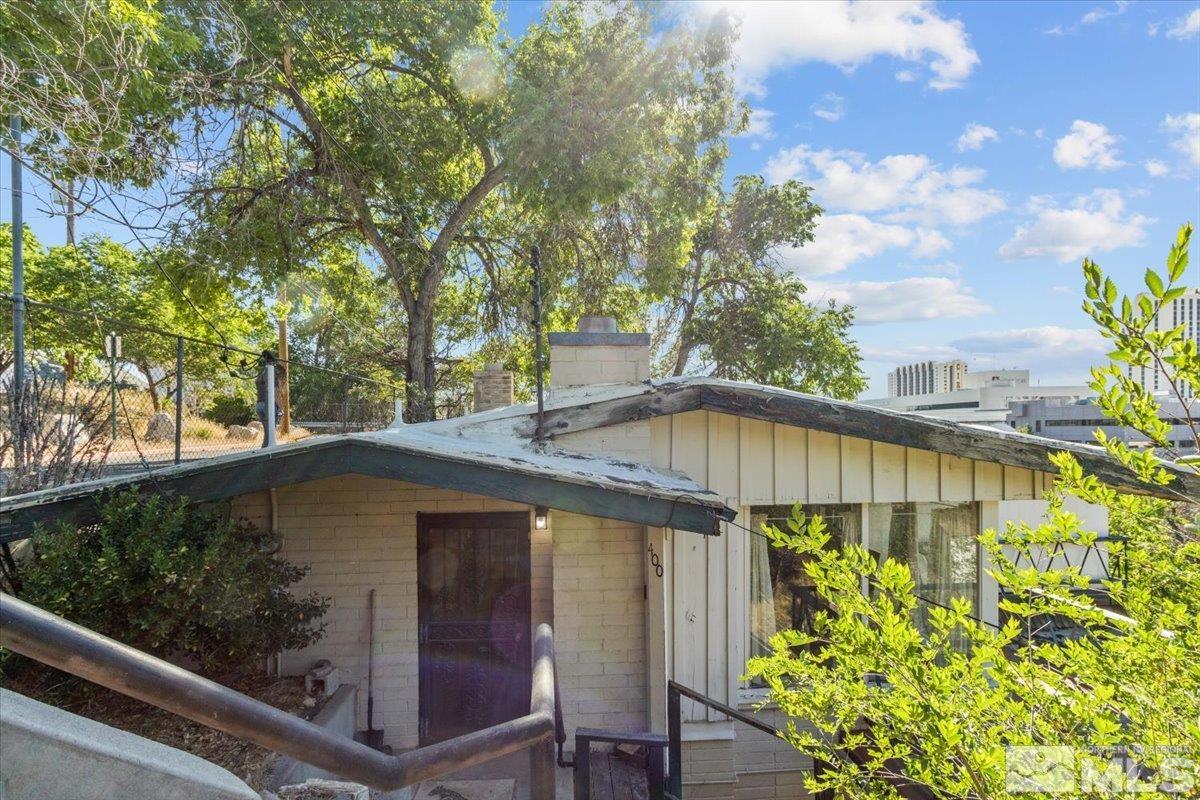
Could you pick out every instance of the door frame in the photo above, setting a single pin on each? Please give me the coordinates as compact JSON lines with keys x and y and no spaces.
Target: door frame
{"x":426,"y":521}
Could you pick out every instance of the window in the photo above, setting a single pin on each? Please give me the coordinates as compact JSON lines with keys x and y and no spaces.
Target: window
{"x":781,"y":594}
{"x":938,"y":542}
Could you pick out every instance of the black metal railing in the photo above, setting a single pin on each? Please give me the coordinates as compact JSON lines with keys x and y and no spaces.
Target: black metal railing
{"x":675,"y":693}
{"x":52,"y":640}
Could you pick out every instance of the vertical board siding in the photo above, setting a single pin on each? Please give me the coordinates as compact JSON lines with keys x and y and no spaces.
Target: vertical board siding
{"x":923,"y":473}
{"x":856,"y":470}
{"x":989,"y":481}
{"x":722,"y":440}
{"x":888,"y":473}
{"x":757,"y":451}
{"x":1018,"y":483}
{"x":957,"y":479}
{"x":791,"y":464}
{"x":824,"y":467}
{"x":751,"y":462}
{"x":689,"y":445}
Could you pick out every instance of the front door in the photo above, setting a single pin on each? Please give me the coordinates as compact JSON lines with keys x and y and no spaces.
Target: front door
{"x":473,"y":610}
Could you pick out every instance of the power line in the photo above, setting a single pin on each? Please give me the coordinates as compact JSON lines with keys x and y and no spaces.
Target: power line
{"x":194,"y":340}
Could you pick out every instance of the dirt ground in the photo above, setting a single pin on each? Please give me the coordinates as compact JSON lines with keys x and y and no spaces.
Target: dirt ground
{"x":249,"y":762}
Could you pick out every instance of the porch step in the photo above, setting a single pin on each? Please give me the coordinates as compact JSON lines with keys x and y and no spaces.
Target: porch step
{"x":505,"y":789}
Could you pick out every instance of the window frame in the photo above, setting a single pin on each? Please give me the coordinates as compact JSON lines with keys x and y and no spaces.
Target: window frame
{"x":748,"y":695}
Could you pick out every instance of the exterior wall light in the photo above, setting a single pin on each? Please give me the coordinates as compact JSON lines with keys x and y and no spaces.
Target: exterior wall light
{"x":541,"y":518}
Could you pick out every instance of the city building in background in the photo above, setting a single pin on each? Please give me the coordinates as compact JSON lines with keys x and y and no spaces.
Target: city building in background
{"x":1183,"y":311}
{"x":1078,"y":421}
{"x":948,"y":390}
{"x":926,"y":377}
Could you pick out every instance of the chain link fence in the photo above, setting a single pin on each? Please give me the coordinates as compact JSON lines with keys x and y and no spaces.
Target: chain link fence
{"x":126,"y":398}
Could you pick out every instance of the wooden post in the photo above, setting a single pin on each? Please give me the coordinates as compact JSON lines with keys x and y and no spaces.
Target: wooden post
{"x":285,"y":394}
{"x":674,"y":743}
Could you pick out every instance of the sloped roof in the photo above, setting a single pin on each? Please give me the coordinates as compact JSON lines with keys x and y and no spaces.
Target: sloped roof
{"x":510,"y":470}
{"x":574,"y":410}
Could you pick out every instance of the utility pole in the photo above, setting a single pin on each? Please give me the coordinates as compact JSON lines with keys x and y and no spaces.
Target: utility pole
{"x":18,"y":264}
{"x":536,"y":283}
{"x":285,"y":393}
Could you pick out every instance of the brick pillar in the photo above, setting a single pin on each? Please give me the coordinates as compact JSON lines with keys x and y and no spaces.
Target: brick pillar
{"x":598,"y":353}
{"x":493,"y":388}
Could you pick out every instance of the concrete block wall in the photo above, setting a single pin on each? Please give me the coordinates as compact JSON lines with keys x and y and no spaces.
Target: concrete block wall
{"x":358,"y":533}
{"x":750,"y":765}
{"x":583,"y":365}
{"x":600,"y":622}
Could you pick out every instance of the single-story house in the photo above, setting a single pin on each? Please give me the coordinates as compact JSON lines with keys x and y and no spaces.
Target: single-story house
{"x":616,"y":530}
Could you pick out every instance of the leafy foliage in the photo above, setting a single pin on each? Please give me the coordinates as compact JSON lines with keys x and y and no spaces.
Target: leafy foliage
{"x":173,"y":580}
{"x":940,"y":708}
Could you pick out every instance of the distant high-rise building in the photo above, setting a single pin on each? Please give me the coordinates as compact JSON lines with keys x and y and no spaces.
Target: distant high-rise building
{"x":1183,"y":311}
{"x":926,"y":377}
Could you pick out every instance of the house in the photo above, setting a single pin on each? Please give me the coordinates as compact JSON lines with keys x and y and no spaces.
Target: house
{"x":627,"y":530}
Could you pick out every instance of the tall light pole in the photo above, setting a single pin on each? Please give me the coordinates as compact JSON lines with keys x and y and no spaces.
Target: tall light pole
{"x":18,"y":261}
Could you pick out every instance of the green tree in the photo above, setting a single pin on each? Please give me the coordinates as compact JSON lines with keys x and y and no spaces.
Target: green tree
{"x":398,"y":131}
{"x":101,"y":278}
{"x":945,"y":703}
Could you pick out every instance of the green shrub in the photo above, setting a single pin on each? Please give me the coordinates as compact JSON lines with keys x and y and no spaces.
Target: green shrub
{"x":173,"y":580}
{"x":229,"y":410}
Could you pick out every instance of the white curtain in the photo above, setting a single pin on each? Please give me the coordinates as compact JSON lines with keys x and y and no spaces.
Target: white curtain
{"x":762,"y":596}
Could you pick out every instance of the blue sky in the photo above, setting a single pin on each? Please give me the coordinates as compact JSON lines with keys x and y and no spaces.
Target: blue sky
{"x":968,"y":155}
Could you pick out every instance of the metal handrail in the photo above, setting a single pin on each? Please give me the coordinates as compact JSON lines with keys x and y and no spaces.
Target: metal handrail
{"x":52,"y":640}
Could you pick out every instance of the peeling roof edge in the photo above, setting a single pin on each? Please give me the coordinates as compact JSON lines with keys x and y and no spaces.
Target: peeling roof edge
{"x":567,"y":481}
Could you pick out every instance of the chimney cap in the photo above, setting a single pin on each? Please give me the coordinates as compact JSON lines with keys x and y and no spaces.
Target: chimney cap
{"x":597,"y":324}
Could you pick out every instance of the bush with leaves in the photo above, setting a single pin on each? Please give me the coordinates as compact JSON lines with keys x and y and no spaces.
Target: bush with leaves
{"x":175,"y":581}
{"x":941,"y":708}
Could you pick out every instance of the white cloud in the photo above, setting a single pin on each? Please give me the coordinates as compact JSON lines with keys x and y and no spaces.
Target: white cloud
{"x":842,"y":239}
{"x":1156,"y":168}
{"x":831,"y":108}
{"x":845,"y":34}
{"x":1186,"y":127}
{"x":1046,"y":338}
{"x":759,"y":126}
{"x":910,"y":188}
{"x":904,"y":300}
{"x":974,"y":136}
{"x":1097,"y":14}
{"x":906,"y":76}
{"x":1056,"y":30}
{"x":1186,"y":27}
{"x":1091,"y":224}
{"x":1089,"y":144}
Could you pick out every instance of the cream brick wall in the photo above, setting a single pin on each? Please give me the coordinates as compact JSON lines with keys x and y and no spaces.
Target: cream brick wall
{"x":600,"y":619}
{"x":358,"y":533}
{"x":751,"y":766}
{"x":582,"y":365}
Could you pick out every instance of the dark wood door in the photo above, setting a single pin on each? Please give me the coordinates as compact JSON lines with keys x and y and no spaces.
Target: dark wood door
{"x":473,"y":608}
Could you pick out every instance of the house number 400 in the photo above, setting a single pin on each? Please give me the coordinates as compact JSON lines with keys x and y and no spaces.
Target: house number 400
{"x":654,"y":561}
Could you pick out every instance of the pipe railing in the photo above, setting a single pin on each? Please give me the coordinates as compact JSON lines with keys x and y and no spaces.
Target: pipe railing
{"x":52,"y":640}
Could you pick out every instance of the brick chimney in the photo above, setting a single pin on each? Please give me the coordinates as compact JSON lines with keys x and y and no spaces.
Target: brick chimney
{"x":598,"y":353}
{"x":493,"y":388}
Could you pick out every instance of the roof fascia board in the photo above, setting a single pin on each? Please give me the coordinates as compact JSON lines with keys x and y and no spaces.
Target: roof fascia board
{"x":338,"y":457}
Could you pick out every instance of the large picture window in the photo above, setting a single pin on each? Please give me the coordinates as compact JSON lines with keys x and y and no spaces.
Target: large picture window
{"x":781,"y":593}
{"x":938,"y":542}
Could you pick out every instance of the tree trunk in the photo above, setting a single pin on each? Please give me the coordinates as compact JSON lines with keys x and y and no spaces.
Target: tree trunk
{"x":151,"y":387}
{"x":418,"y":388}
